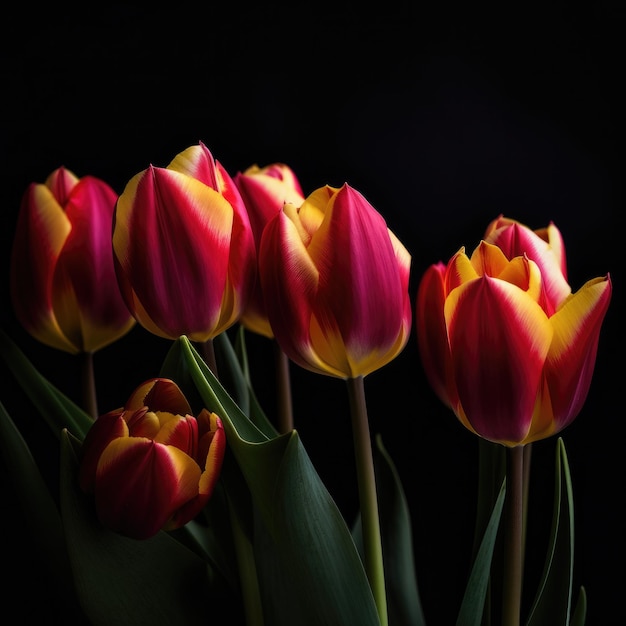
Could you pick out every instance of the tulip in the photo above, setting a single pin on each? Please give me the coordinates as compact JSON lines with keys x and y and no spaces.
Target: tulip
{"x":503,"y":340}
{"x":63,"y":284}
{"x":265,"y":190}
{"x":335,"y":280}
{"x":152,"y":465}
{"x":184,"y":248}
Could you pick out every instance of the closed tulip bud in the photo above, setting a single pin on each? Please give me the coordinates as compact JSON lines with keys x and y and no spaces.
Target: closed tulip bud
{"x":152,"y":465}
{"x":184,"y":250}
{"x":63,"y":284}
{"x":335,"y":280}
{"x":265,"y":190}
{"x":503,"y":340}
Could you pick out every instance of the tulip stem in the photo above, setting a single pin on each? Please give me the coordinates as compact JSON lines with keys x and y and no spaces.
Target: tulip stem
{"x":207,"y":349}
{"x":88,"y":384}
{"x":283,"y":390}
{"x":372,"y":543}
{"x":513,"y":538}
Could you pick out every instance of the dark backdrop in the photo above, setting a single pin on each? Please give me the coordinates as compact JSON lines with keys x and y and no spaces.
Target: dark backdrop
{"x":443,"y":118}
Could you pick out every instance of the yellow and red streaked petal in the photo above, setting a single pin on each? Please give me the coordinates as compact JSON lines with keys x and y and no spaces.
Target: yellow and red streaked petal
{"x":289,"y":280}
{"x":160,"y":394}
{"x":552,"y":235}
{"x":61,"y":182}
{"x":87,"y":301}
{"x":519,"y":240}
{"x":358,"y":269}
{"x":571,"y":359}
{"x":215,"y":444}
{"x":487,"y":260}
{"x":458,"y":271}
{"x":432,"y":335}
{"x":172,"y":240}
{"x":106,"y":428}
{"x":143,"y":423}
{"x":181,"y":432}
{"x":525,"y":274}
{"x":41,"y":231}
{"x":198,"y":162}
{"x":265,"y":191}
{"x":499,"y":338}
{"x":140,"y":484}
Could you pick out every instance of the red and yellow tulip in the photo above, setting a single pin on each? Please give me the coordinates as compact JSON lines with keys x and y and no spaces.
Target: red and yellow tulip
{"x":184,"y":249}
{"x":335,"y":281}
{"x":265,"y":190}
{"x":63,"y":284}
{"x":503,"y":340}
{"x":152,"y":465}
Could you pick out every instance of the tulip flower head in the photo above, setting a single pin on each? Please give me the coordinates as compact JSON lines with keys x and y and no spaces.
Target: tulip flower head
{"x":63,"y":284}
{"x":151,"y":465}
{"x":503,"y":340}
{"x":265,"y":190}
{"x":335,"y":280}
{"x":184,"y":248}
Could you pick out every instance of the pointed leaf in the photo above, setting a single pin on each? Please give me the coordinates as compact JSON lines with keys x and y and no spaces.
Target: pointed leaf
{"x":40,"y":511}
{"x":553,"y":600}
{"x":471,"y":611}
{"x":55,"y":408}
{"x":580,"y":612}
{"x":156,"y":581}
{"x":304,"y":530}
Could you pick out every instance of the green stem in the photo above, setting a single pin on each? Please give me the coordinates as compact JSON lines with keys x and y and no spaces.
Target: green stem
{"x":368,"y":500}
{"x":283,"y":390}
{"x":207,"y":349}
{"x":253,"y":607}
{"x":513,"y":538}
{"x":88,"y":384}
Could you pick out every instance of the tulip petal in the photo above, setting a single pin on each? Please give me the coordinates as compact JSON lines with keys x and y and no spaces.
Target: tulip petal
{"x":41,"y":230}
{"x":171,"y":240}
{"x":160,"y":394}
{"x":432,"y":336}
{"x":87,"y":300}
{"x":499,"y":338}
{"x":358,"y":271}
{"x":104,"y":430}
{"x":571,"y":359}
{"x":290,"y":282}
{"x":518,"y":240}
{"x":140,"y":484}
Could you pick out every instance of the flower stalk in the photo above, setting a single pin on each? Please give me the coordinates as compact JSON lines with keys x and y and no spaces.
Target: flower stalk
{"x":283,"y":390}
{"x":366,"y":479}
{"x":88,"y":384}
{"x":513,"y":539}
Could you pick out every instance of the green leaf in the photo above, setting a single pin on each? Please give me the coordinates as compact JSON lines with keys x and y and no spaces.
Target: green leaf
{"x":471,"y":611}
{"x":41,"y":514}
{"x":235,"y":362}
{"x":552,"y":604}
{"x":58,"y":411}
{"x":123,"y":581}
{"x":298,"y":529}
{"x":403,"y":601}
{"x":580,"y":612}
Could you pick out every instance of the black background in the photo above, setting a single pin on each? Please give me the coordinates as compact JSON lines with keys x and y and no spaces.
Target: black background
{"x":443,"y":117}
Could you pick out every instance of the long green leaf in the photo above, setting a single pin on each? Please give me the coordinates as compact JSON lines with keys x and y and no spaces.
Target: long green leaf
{"x":553,"y":601}
{"x":41,"y":514}
{"x":55,"y":408}
{"x":299,"y":529}
{"x":471,"y":611}
{"x":123,"y":581}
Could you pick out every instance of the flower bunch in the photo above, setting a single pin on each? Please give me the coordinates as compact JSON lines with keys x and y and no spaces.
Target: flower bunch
{"x":191,"y":477}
